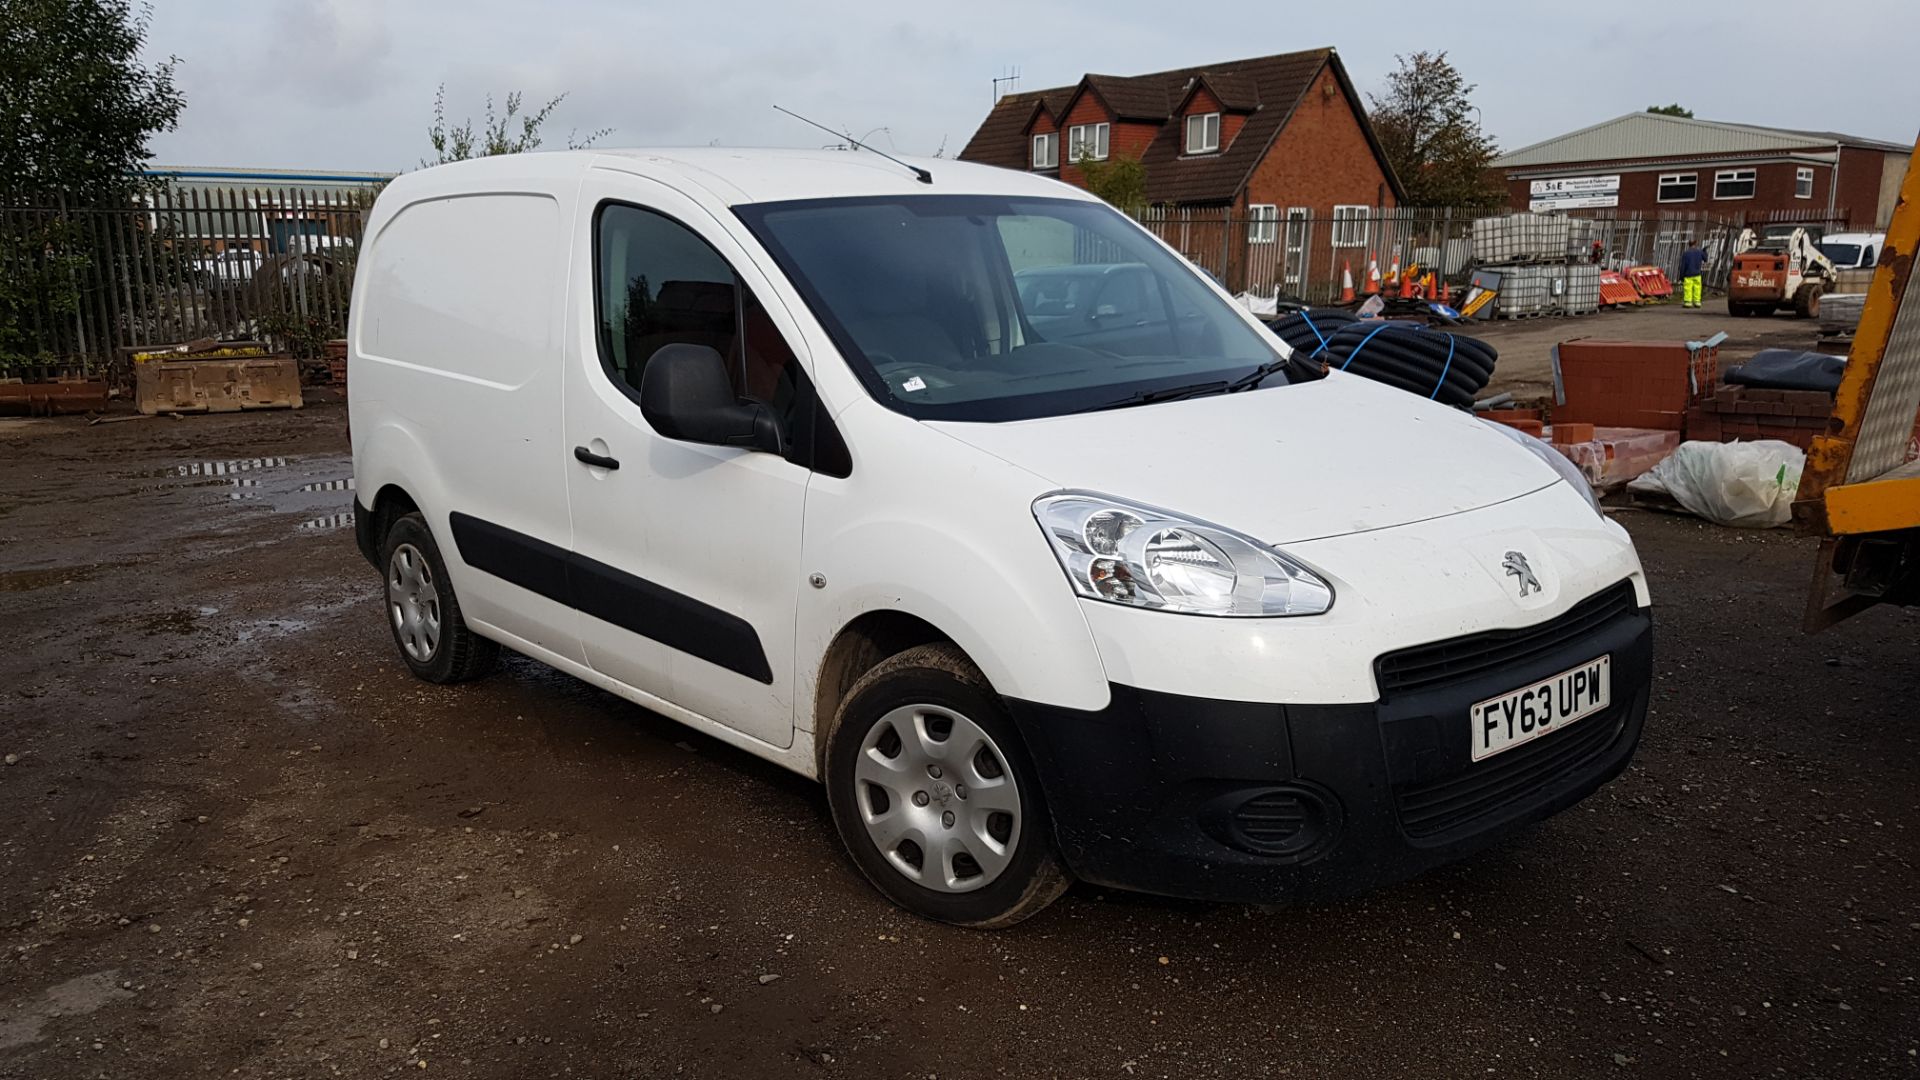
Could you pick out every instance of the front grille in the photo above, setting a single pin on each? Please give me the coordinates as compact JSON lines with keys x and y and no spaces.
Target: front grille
{"x":1441,"y":806}
{"x":1462,"y":658}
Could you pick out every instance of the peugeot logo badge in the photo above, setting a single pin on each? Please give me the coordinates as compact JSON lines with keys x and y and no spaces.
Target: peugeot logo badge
{"x":1515,"y":564}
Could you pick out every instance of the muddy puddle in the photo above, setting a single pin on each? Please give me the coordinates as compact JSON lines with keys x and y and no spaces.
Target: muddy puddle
{"x":24,"y":580}
{"x":320,"y":488}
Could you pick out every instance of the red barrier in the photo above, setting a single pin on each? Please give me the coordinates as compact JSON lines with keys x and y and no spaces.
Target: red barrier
{"x":1651,"y":281}
{"x":1616,"y":290}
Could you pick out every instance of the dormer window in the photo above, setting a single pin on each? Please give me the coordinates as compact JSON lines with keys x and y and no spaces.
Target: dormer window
{"x":1203,"y":133}
{"x":1046,"y":150}
{"x":1087,"y":142}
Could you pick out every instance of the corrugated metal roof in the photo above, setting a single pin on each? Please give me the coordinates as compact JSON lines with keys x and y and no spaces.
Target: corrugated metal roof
{"x":1649,"y":135}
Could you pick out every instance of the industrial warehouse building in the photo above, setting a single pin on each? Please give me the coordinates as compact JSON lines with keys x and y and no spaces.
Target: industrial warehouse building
{"x":1653,"y":163}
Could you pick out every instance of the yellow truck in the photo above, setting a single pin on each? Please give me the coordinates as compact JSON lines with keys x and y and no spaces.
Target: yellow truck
{"x":1860,"y":493}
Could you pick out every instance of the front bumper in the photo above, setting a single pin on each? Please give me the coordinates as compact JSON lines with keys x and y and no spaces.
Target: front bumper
{"x":1254,"y":802}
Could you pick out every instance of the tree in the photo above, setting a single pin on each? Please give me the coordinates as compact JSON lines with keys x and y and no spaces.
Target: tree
{"x":1121,"y":180}
{"x":77,"y":110}
{"x":1440,"y":154}
{"x":77,"y":107}
{"x":499,"y":136}
{"x":1671,"y":110}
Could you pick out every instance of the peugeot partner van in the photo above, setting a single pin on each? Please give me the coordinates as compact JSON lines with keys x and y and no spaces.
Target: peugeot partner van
{"x":972,"y":499}
{"x":1853,"y":250}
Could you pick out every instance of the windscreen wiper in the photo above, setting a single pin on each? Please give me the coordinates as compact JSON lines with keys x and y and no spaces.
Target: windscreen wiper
{"x":1171,"y":393}
{"x":1258,"y":375}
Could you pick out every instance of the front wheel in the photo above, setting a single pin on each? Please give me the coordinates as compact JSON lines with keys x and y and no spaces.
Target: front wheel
{"x":934,"y":796}
{"x":1806,"y":303}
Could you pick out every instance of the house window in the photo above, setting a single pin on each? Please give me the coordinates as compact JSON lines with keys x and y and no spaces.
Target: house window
{"x":1087,"y":142}
{"x":1350,"y":226}
{"x":1046,"y":150}
{"x":1679,"y":187}
{"x":1803,"y":183}
{"x":1262,"y":223}
{"x":1733,"y":184}
{"x":1203,"y":133}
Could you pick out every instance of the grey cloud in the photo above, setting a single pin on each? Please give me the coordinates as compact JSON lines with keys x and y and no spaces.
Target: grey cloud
{"x":349,"y":84}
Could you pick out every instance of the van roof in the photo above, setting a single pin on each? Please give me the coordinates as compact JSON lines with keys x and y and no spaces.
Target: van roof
{"x":741,"y":175}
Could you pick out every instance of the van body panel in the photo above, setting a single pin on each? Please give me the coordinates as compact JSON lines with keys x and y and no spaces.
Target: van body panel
{"x":456,"y":331}
{"x":945,"y":534}
{"x":1278,"y":463}
{"x":718,"y":527}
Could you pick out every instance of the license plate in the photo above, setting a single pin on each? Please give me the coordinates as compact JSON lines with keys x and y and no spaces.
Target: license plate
{"x":1523,"y":715}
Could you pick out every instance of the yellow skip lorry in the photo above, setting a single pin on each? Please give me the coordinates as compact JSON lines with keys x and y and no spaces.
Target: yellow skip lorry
{"x":1859,"y":492}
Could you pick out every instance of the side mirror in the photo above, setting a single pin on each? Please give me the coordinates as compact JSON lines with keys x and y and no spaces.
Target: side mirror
{"x":685,"y":394}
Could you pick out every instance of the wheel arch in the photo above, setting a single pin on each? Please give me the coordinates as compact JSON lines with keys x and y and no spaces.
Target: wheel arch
{"x":865,"y":642}
{"x":391,"y":503}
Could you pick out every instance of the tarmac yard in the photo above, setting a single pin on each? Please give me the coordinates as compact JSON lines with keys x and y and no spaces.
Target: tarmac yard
{"x":237,"y":838}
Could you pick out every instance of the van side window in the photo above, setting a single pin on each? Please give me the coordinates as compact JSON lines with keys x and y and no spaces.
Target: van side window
{"x":660,"y":284}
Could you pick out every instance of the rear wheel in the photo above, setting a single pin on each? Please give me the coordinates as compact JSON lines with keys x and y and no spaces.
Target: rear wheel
{"x":934,"y":796}
{"x":422,"y":611}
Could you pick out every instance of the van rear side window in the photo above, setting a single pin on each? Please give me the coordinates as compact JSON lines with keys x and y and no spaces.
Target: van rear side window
{"x":493,"y":263}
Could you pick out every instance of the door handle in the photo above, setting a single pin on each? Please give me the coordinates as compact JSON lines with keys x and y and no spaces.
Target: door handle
{"x":598,"y":461}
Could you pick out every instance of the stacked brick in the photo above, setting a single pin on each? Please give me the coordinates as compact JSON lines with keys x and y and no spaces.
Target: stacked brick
{"x":336,"y":355}
{"x":1744,"y":413}
{"x":1634,"y":384}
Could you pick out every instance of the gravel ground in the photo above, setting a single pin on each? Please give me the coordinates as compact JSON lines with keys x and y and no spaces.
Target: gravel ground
{"x":239,"y":839}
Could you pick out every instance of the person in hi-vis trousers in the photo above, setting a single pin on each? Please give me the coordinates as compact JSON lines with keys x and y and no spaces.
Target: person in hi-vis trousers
{"x":1692,"y":262}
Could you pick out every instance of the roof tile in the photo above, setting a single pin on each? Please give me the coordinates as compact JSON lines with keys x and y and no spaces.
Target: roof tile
{"x":1268,"y":86}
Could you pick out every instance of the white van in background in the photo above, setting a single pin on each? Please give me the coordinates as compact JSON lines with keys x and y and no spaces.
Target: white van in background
{"x":966,"y":495}
{"x":1853,"y":250}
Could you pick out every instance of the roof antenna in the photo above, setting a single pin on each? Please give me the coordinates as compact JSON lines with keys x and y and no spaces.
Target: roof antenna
{"x":919,"y":173}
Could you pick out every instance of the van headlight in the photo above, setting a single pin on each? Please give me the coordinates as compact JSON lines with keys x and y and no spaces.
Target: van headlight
{"x":1129,"y":554}
{"x":1568,"y":470}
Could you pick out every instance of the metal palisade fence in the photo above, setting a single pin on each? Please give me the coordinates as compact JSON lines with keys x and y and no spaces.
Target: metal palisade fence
{"x":81,"y":280}
{"x":1306,"y":255}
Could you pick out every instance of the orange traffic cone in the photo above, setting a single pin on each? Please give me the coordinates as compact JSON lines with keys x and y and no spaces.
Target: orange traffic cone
{"x":1393,"y":273}
{"x":1346,"y":281}
{"x":1406,"y":284}
{"x":1373,"y":276}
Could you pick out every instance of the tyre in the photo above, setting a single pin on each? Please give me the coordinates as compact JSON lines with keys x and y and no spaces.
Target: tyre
{"x":422,"y":611}
{"x":934,"y":795}
{"x":1738,"y":310}
{"x":1806,"y":302}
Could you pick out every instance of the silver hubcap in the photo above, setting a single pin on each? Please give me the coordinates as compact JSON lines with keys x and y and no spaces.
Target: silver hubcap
{"x":414,"y":604}
{"x":937,"y":798}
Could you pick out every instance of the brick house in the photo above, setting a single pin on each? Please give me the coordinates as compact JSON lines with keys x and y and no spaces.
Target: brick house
{"x":1675,"y":164}
{"x":1256,"y":142}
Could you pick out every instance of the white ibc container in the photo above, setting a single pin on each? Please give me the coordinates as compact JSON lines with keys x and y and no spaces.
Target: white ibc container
{"x":1525,"y":290}
{"x":1520,"y":238}
{"x":1579,"y":293}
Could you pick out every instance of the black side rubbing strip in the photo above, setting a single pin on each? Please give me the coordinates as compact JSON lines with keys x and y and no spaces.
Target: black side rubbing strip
{"x":534,"y":565}
{"x":632,"y":603}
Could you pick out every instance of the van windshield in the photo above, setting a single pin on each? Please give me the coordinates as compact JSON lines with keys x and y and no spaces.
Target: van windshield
{"x":969,"y":307}
{"x":1841,"y":254}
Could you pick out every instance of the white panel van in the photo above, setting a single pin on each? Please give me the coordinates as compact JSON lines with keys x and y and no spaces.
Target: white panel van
{"x":974,"y":500}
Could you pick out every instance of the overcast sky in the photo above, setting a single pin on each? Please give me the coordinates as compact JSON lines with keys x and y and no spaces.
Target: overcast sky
{"x":349,"y":84}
